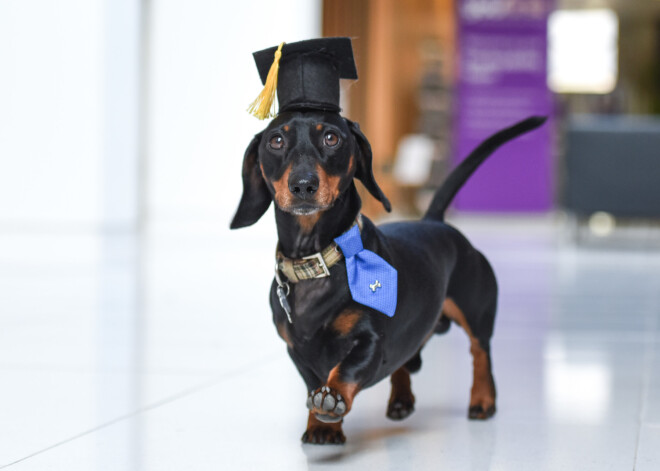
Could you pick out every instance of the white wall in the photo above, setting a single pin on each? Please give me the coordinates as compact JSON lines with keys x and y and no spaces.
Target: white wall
{"x":203,"y":78}
{"x":123,"y":114}
{"x":69,"y":94}
{"x":50,"y":112}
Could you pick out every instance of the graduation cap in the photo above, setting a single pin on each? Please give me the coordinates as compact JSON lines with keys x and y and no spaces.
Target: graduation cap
{"x":305,"y":75}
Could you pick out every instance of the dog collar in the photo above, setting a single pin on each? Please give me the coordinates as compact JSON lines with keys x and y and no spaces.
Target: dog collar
{"x":313,"y":266}
{"x":372,"y":281}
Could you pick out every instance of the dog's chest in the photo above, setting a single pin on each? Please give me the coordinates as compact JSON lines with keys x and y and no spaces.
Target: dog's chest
{"x":318,"y":345}
{"x":315,"y":304}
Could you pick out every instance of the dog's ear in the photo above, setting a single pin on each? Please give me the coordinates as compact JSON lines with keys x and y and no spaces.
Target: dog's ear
{"x":364,"y":171}
{"x":256,"y":198}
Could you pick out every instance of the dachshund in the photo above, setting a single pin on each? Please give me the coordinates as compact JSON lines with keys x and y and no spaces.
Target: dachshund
{"x":340,"y":341}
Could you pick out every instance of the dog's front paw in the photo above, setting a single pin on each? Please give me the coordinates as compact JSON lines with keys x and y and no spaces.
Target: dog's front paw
{"x":327,"y":405}
{"x":324,"y":435}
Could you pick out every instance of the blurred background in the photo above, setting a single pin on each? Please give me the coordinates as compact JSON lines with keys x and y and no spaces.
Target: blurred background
{"x":123,"y":113}
{"x":122,"y":130}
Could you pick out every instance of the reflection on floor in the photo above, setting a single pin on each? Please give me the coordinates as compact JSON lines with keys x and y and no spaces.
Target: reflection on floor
{"x":120,"y":352}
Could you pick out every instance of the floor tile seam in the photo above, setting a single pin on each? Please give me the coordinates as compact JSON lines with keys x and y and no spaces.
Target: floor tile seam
{"x":244,"y":369}
{"x":61,"y":368}
{"x":652,"y":425}
{"x":649,"y":355}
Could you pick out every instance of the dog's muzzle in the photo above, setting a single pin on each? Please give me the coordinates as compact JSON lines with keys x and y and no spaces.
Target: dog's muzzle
{"x":303,"y":185}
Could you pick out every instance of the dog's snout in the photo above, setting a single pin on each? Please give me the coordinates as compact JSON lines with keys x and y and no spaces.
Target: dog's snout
{"x":303,"y":185}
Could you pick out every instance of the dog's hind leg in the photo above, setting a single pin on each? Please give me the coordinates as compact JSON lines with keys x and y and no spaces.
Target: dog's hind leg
{"x":482,"y":395}
{"x":402,"y":400}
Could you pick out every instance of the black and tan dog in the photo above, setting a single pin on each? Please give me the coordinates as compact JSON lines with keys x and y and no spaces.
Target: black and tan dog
{"x":306,"y":161}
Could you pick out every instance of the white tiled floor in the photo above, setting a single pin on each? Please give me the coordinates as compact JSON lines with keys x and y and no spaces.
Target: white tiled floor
{"x":120,"y":352}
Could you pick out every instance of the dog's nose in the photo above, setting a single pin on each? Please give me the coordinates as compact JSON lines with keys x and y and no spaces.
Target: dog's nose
{"x":303,"y":186}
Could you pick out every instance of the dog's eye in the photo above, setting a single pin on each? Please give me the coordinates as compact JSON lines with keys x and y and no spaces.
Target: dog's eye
{"x":330,"y":139}
{"x":276,"y":142}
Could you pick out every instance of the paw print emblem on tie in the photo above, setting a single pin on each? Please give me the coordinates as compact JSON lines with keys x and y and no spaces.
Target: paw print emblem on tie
{"x":375,"y":286}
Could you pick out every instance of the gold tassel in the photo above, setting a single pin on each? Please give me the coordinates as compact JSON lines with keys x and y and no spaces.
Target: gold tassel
{"x":262,"y":106}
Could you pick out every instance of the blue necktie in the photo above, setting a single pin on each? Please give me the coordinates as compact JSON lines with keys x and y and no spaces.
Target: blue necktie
{"x":372,"y":281}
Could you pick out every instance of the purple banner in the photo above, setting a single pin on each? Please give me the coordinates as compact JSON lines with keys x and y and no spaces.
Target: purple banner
{"x":502,"y":78}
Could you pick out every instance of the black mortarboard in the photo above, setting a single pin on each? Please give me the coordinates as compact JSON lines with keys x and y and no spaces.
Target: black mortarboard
{"x":308,"y":77}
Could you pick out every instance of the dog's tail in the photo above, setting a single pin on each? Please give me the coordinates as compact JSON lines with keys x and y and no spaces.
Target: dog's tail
{"x":460,"y":174}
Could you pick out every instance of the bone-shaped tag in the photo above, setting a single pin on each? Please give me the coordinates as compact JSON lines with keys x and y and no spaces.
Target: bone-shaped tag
{"x":375,"y":286}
